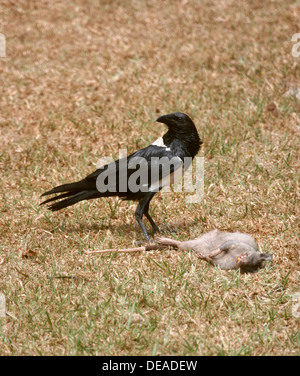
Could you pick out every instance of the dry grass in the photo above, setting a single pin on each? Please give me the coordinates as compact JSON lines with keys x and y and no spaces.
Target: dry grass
{"x":81,"y":81}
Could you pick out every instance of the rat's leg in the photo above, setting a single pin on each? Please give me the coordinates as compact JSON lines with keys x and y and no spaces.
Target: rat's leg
{"x":202,"y":257}
{"x":215,"y":252}
{"x":167,"y":241}
{"x":212,"y":254}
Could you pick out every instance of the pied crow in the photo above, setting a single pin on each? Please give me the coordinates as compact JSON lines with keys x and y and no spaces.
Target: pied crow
{"x":140,"y":175}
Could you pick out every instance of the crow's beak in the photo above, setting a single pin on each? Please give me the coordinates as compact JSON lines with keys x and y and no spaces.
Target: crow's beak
{"x":163,"y":119}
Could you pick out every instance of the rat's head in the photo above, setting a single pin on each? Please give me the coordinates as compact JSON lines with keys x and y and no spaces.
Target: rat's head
{"x":251,"y":262}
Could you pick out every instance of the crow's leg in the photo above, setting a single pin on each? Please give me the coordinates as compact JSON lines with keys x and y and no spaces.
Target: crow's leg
{"x":140,"y":210}
{"x":153,"y":224}
{"x":147,"y":215}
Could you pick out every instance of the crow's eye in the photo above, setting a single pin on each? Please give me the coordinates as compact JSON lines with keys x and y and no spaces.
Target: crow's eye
{"x":180,"y":118}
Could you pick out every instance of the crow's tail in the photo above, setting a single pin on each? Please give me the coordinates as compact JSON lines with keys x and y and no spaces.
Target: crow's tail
{"x":72,"y":187}
{"x":75,"y":192}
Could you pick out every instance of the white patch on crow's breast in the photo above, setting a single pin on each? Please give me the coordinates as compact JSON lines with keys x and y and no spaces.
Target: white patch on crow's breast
{"x":160,"y":142}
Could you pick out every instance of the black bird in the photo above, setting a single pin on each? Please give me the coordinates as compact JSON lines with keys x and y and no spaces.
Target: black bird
{"x":140,"y":175}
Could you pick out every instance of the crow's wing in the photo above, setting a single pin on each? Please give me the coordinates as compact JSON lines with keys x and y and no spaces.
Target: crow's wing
{"x":147,"y":170}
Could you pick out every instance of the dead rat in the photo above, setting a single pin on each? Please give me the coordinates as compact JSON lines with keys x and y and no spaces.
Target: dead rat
{"x":228,"y":250}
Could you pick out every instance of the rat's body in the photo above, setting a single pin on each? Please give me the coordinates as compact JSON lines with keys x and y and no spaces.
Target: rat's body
{"x":224,"y":249}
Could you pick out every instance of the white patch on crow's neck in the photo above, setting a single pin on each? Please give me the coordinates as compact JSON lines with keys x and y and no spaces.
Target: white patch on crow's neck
{"x":160,"y":142}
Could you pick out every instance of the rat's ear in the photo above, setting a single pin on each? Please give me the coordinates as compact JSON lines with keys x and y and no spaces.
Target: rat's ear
{"x":266,"y":256}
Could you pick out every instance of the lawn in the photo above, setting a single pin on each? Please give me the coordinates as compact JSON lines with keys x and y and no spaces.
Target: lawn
{"x":82,"y":80}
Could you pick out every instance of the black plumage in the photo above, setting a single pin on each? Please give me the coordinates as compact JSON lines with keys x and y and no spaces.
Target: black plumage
{"x":153,"y":165}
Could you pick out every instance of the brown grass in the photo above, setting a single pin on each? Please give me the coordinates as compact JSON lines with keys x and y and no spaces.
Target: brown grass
{"x":82,"y":80}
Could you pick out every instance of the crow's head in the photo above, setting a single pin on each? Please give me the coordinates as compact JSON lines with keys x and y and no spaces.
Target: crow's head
{"x":177,"y":121}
